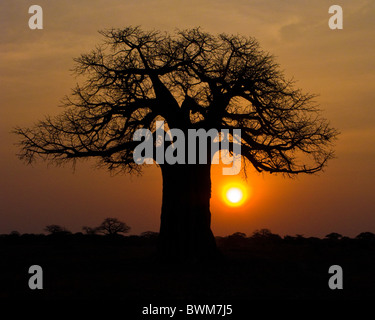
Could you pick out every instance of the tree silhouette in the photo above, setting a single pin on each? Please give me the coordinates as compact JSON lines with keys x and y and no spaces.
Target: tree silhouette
{"x":190,"y":80}
{"x":89,"y":230}
{"x":265,"y":235}
{"x":56,"y":229}
{"x":113,"y":226}
{"x":366,"y":236}
{"x":333,"y":236}
{"x":238,"y":235}
{"x":149,"y":234}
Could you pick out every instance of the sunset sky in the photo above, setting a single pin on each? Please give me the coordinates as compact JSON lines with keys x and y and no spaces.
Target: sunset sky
{"x":338,"y":65}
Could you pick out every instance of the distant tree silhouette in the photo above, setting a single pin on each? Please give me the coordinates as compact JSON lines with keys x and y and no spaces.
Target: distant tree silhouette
{"x":150,"y":234}
{"x":113,"y":226}
{"x":288,"y":238}
{"x":56,"y":229}
{"x":366,"y":236}
{"x":240,"y":235}
{"x":191,"y":80}
{"x":236,"y":239}
{"x":334,"y":236}
{"x":346,"y":239}
{"x":265,"y":235}
{"x":89,"y":230}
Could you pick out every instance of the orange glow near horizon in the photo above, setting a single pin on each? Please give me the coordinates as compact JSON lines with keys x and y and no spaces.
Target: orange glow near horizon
{"x":35,"y":77}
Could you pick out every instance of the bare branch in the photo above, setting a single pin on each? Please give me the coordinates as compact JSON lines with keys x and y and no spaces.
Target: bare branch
{"x":191,"y":80}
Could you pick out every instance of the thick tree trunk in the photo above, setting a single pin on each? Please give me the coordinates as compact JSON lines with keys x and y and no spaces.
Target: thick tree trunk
{"x":185,"y":230}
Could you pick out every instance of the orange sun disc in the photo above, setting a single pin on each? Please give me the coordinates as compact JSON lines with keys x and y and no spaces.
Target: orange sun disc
{"x":234,"y":194}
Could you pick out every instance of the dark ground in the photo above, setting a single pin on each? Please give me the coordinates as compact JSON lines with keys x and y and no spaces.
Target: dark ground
{"x":126,"y":268}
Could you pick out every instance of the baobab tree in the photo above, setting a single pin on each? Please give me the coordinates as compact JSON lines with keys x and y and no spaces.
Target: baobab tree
{"x":113,"y":226}
{"x":56,"y":229}
{"x":189,"y":80}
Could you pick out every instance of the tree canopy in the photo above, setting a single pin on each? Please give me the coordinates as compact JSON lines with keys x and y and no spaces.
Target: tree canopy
{"x":113,"y":226}
{"x":190,"y":79}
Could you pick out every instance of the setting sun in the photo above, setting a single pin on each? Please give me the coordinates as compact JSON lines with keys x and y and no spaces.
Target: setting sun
{"x":234,"y":195}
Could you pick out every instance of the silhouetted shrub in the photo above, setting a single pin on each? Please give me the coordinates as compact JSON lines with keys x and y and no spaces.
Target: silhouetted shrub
{"x":113,"y":226}
{"x":54,"y":229}
{"x":366,"y":236}
{"x":89,"y":230}
{"x":333,"y":236}
{"x":265,"y":236}
{"x":151,"y":235}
